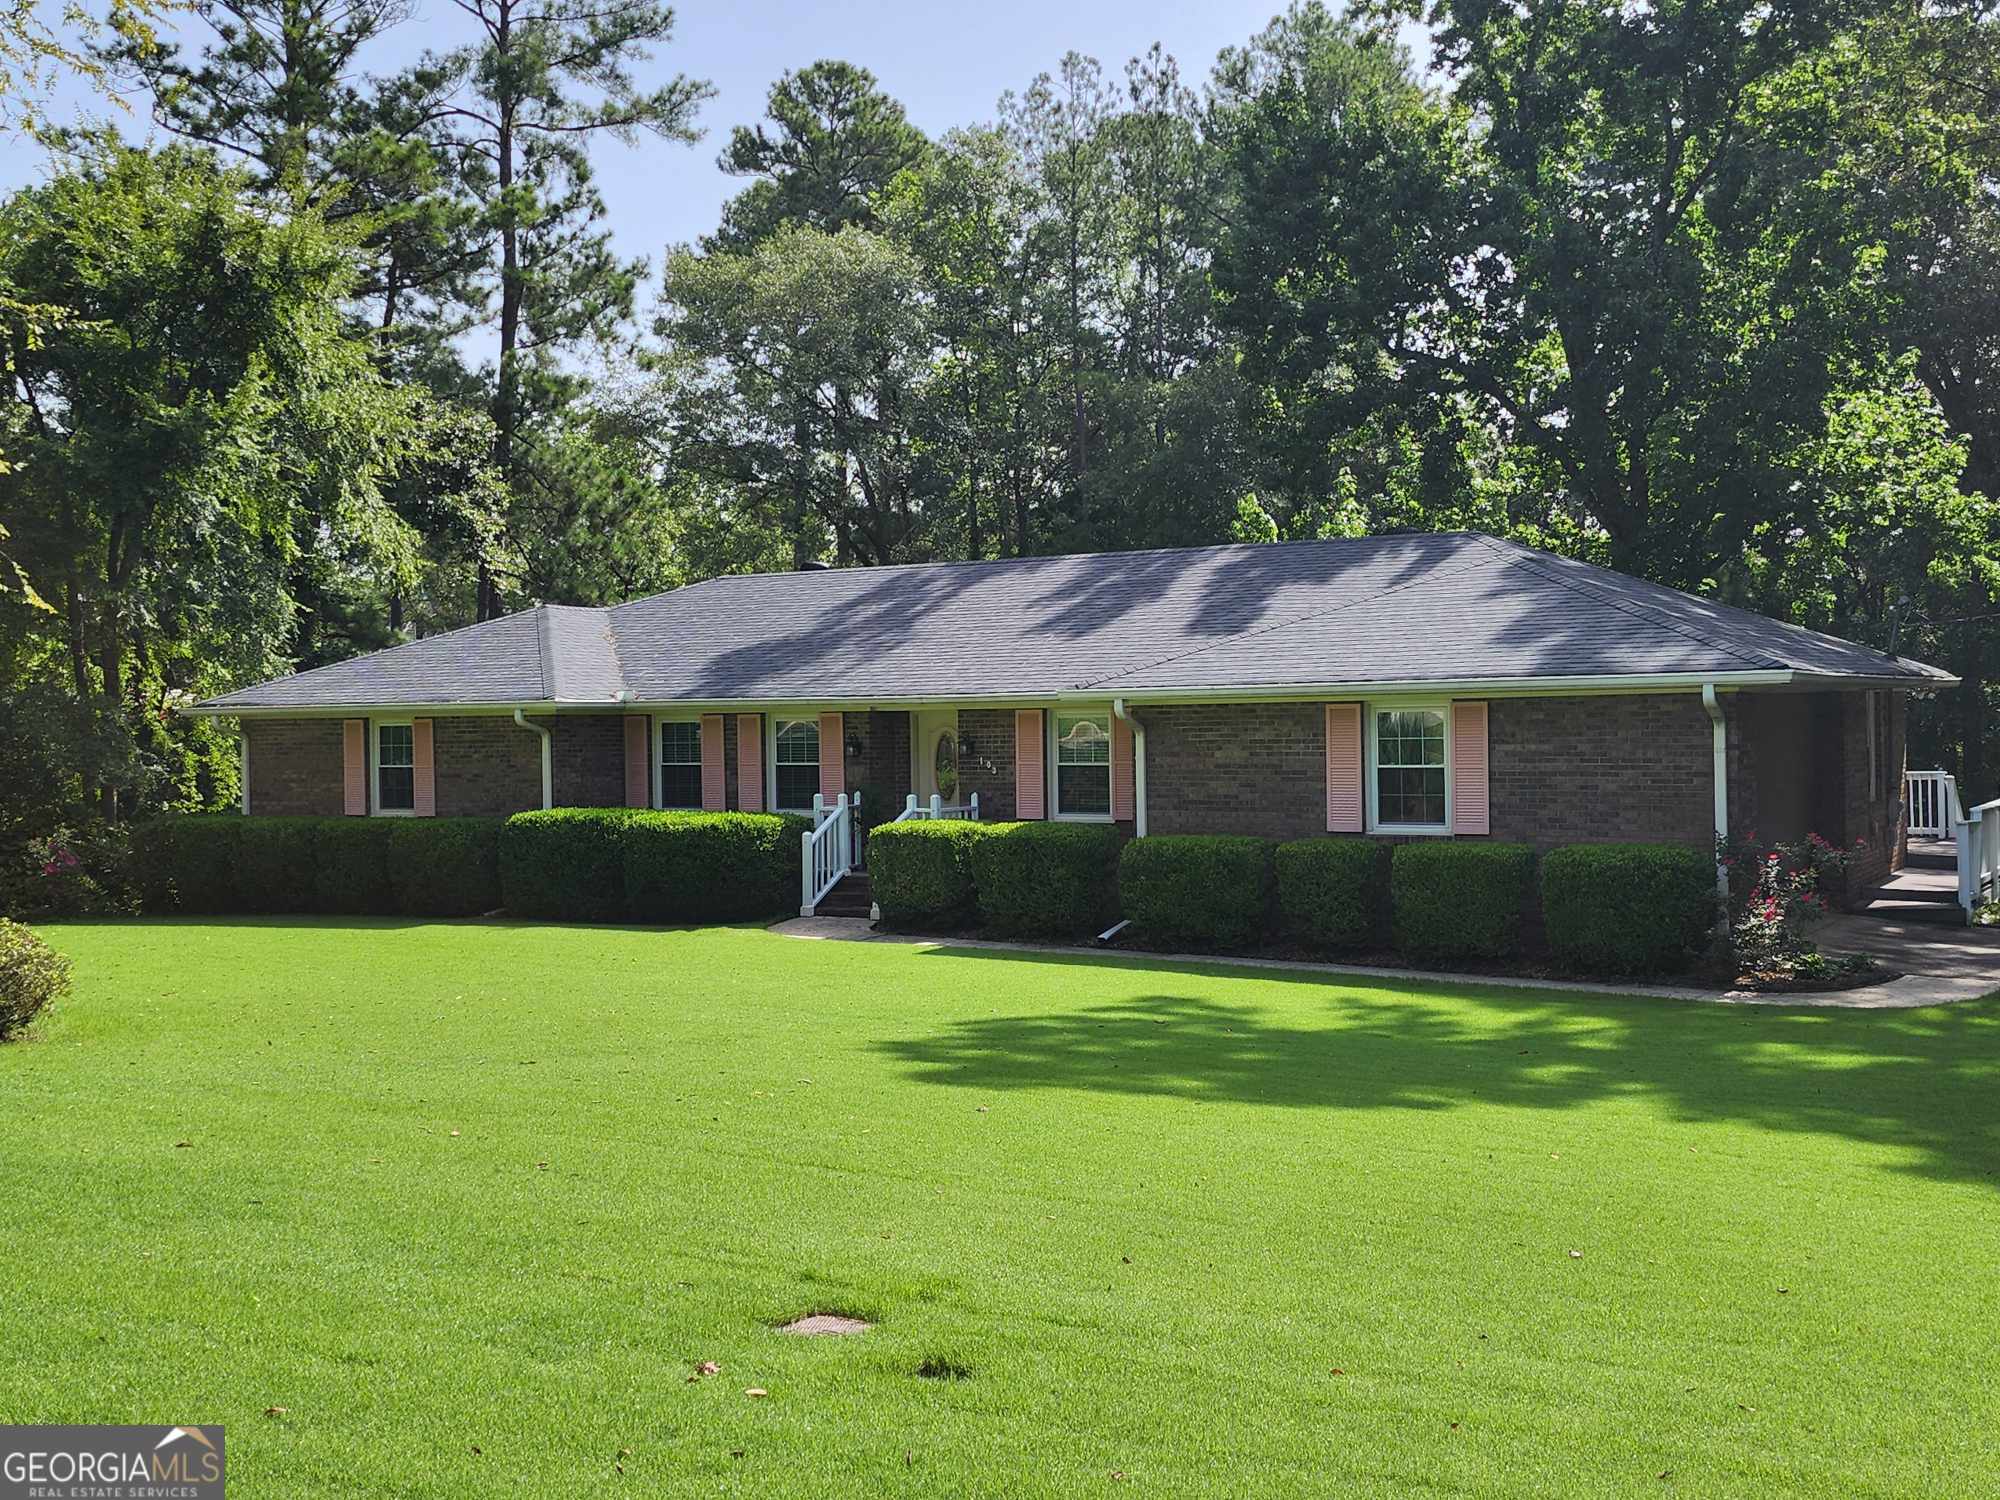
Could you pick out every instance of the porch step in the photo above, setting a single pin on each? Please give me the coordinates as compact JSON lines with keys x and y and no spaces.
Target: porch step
{"x":1938,"y":894}
{"x":853,"y":897}
{"x":1910,"y":907}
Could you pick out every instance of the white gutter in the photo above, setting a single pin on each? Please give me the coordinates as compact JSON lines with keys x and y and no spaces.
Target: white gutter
{"x":1720,"y":741}
{"x":1138,"y":767}
{"x":243,"y":764}
{"x":548,"y":759}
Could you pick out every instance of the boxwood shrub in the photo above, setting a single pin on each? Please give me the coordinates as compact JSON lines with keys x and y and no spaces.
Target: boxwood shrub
{"x":277,"y":863}
{"x":1212,"y":890}
{"x":921,"y":870}
{"x":351,"y":866}
{"x":32,"y":977}
{"x":188,"y":862}
{"x":711,"y":867}
{"x":1333,"y":892}
{"x":1054,"y":879}
{"x":1628,"y":908}
{"x":567,"y":864}
{"x":445,"y":867}
{"x":1449,"y":899}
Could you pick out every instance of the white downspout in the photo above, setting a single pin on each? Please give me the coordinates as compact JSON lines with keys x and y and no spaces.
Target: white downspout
{"x":1138,"y":765}
{"x":548,"y":759}
{"x":1720,"y":737}
{"x":243,"y":763}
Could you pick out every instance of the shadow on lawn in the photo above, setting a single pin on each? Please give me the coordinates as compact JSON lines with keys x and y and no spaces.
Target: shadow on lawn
{"x":1918,"y":1079}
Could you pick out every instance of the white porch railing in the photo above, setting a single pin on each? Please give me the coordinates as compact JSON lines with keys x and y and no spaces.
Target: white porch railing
{"x":826,"y":855}
{"x":1932,"y":797}
{"x":938,"y":808}
{"x":1978,"y":838}
{"x":1935,"y":813}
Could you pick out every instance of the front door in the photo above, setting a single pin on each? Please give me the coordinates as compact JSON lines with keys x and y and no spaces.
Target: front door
{"x":934,"y":750}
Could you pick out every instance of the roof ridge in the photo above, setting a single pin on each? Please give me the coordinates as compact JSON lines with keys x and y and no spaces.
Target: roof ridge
{"x":1529,"y":557}
{"x":1246,"y":635}
{"x":547,"y":649}
{"x":1049,"y":557}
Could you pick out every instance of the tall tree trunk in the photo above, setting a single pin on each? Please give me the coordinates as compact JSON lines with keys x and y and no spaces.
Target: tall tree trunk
{"x":506,"y":394}
{"x":1972,"y":706}
{"x":79,"y":670}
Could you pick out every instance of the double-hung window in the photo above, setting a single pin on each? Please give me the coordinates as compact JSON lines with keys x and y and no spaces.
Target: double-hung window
{"x":1083,"y":764}
{"x":1409,"y":791}
{"x":795,"y":766}
{"x":395,"y":768}
{"x":680,"y":763}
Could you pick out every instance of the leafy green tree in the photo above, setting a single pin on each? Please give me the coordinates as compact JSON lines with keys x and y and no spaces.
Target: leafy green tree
{"x":196,"y":419}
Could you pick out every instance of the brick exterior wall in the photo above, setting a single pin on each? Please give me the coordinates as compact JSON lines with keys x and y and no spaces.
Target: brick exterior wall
{"x":295,"y":767}
{"x":588,"y":764}
{"x":488,"y":765}
{"x":1597,"y":770}
{"x":1257,"y":768}
{"x":990,"y":772}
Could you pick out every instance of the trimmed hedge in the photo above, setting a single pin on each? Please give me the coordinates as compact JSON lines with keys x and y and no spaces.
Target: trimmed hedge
{"x":1332,"y":891}
{"x":1628,"y":908}
{"x":711,"y":867}
{"x":922,"y":871}
{"x":351,"y":863}
{"x":445,"y":867}
{"x":567,"y":864}
{"x":1208,"y":889}
{"x":275,"y":861}
{"x":188,"y":862}
{"x":33,"y":976}
{"x":1459,"y":900}
{"x":1046,"y":879}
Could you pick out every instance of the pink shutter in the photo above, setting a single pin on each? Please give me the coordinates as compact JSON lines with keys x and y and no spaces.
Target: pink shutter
{"x":1121,"y":770}
{"x":423,"y":763}
{"x":1343,"y":768}
{"x":354,"y":766}
{"x":1030,"y":782}
{"x":713,"y":797}
{"x":1471,"y":802}
{"x":638,"y":761}
{"x":832,"y":757}
{"x":750,"y":762}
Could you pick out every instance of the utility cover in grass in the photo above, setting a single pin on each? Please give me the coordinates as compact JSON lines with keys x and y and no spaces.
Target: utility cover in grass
{"x":825,"y":1323}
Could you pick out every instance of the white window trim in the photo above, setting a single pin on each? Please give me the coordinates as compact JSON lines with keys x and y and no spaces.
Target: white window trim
{"x":1075,"y":711}
{"x":658,"y":768}
{"x":375,"y":728}
{"x":1373,"y":712}
{"x":771,"y":721}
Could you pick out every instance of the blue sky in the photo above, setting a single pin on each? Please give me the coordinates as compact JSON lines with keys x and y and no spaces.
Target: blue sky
{"x":947,"y":63}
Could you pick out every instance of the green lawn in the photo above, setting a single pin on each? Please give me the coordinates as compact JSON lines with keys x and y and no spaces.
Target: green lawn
{"x":469,"y":1202}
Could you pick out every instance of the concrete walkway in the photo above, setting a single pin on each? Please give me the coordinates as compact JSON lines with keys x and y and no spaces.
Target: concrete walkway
{"x":1952,"y":971}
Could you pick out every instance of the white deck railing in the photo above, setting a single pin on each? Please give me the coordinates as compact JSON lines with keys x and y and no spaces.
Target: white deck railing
{"x":1932,"y":797}
{"x":1935,"y":813}
{"x":826,"y":855}
{"x":1978,"y":839}
{"x":937,"y":808}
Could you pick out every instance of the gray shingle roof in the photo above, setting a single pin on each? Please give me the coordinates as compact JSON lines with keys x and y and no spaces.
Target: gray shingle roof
{"x":1441,"y":607}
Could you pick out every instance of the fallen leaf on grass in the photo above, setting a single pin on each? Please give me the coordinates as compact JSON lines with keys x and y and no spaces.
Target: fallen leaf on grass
{"x":182,"y":1145}
{"x":1336,"y":1370}
{"x":756,"y":1391}
{"x":276,"y":1411}
{"x":1576,"y":1255}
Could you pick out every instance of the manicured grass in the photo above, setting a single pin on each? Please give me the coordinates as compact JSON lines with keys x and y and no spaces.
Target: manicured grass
{"x":470,"y":1202}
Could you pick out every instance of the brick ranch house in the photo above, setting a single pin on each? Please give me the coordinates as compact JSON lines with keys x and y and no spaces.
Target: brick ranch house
{"x":1443,"y":685}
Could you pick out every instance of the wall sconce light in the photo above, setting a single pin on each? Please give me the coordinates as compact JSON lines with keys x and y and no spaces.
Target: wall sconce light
{"x":856,"y":746}
{"x":967,"y":747}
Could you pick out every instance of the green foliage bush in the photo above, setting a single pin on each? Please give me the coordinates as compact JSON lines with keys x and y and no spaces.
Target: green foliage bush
{"x":445,"y":867}
{"x":1628,"y":908}
{"x":32,"y":977}
{"x":1053,"y":879}
{"x":922,"y":871}
{"x":1333,"y":892}
{"x":276,"y":861}
{"x":1451,"y":899}
{"x":711,"y":867}
{"x":189,"y":862}
{"x":350,"y":872}
{"x":567,"y":864}
{"x":1212,"y":890}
